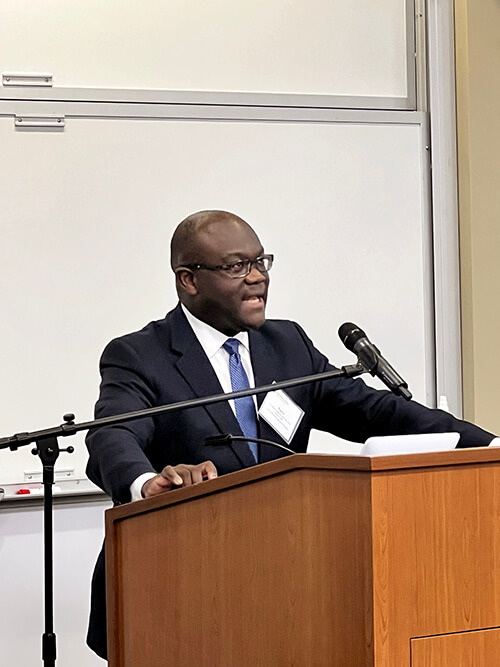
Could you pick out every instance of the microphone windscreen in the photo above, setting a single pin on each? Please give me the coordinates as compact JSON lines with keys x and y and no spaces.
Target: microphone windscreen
{"x":349,"y":334}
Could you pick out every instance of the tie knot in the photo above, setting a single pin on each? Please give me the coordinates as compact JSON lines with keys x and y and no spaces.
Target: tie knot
{"x":231,"y":345}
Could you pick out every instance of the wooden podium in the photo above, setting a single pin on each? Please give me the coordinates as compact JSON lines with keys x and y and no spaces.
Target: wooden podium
{"x":313,"y":561}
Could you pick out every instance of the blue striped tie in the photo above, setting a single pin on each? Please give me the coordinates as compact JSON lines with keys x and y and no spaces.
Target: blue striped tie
{"x":245,"y":408}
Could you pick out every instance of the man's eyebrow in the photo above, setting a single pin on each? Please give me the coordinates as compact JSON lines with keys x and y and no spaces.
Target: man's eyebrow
{"x":237,"y":256}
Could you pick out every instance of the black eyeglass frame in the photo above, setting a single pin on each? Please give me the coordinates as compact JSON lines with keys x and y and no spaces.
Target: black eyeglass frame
{"x":227,"y":268}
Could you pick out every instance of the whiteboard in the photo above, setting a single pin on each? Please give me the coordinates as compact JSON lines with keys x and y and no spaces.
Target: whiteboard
{"x":77,"y":539}
{"x":87,"y":215}
{"x":354,"y":48}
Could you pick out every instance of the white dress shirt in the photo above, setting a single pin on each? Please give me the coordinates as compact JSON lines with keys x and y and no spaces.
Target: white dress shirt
{"x":211,"y":340}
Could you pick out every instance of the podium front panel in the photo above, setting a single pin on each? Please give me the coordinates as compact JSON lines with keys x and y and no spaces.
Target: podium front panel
{"x":274,"y":572}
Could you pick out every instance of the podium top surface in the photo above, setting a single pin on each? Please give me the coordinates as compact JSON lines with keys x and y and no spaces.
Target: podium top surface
{"x":363,"y":464}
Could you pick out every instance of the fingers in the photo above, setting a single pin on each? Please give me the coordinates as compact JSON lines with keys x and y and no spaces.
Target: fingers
{"x":177,"y":476}
{"x":209,"y":471}
{"x":172,"y":477}
{"x":186,"y":475}
{"x":154,"y":486}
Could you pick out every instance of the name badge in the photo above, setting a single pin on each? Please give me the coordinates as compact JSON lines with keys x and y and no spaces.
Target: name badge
{"x":281,"y":413}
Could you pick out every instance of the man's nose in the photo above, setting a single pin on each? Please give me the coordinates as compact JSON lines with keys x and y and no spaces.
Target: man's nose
{"x":256,"y":276}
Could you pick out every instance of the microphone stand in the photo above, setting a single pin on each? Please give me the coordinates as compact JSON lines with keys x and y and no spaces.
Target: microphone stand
{"x":47,"y":449}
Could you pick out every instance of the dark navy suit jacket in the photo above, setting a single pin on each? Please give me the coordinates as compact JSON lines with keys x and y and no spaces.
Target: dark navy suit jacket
{"x":164,"y":363}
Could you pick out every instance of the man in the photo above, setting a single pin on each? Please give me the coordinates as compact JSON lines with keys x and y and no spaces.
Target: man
{"x":222,"y":279}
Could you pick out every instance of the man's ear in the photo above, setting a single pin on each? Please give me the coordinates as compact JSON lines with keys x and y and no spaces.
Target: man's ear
{"x":186,"y":280}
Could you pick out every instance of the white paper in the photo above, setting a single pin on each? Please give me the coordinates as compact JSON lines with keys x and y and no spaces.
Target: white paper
{"x":397,"y":444}
{"x":410,"y":444}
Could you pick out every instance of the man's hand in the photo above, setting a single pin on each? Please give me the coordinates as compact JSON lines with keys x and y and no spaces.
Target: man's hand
{"x":176,"y":476}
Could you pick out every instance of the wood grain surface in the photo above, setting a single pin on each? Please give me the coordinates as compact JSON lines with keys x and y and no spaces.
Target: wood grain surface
{"x":272,"y":573}
{"x":465,"y":649}
{"x":311,"y":561}
{"x":436,"y":555}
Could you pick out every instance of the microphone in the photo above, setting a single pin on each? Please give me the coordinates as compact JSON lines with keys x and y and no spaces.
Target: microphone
{"x":227,"y":439}
{"x":356,"y":341}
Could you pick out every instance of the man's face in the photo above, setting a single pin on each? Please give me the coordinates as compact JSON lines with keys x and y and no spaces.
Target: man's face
{"x":229,"y":304}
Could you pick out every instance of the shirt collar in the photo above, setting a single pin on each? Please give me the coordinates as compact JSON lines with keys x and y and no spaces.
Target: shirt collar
{"x":209,"y":338}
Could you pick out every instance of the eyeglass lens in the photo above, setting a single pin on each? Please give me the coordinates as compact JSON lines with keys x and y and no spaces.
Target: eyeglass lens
{"x":243,"y":268}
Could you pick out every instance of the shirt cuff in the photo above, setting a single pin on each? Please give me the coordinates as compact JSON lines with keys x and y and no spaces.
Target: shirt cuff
{"x":495,"y":442}
{"x":137,"y":484}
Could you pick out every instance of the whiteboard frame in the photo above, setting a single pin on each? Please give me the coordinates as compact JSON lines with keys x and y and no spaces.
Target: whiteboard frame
{"x":227,"y":98}
{"x":199,"y":97}
{"x":444,"y":188}
{"x":186,"y":111}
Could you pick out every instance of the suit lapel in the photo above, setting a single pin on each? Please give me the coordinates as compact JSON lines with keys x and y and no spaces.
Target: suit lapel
{"x":262,"y":363}
{"x":266,"y":371}
{"x":196,"y":369}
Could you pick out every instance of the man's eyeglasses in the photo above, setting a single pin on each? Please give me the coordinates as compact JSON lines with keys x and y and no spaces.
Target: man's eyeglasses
{"x":239,"y":269}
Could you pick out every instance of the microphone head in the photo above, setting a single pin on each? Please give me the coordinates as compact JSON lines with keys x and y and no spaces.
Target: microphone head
{"x":349,"y":334}
{"x":218,"y":440}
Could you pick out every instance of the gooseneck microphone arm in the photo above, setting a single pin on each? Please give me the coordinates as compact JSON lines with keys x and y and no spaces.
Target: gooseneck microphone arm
{"x":228,"y":438}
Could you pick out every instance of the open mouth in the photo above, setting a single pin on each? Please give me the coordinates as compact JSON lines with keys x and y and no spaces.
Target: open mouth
{"x":254,"y":300}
